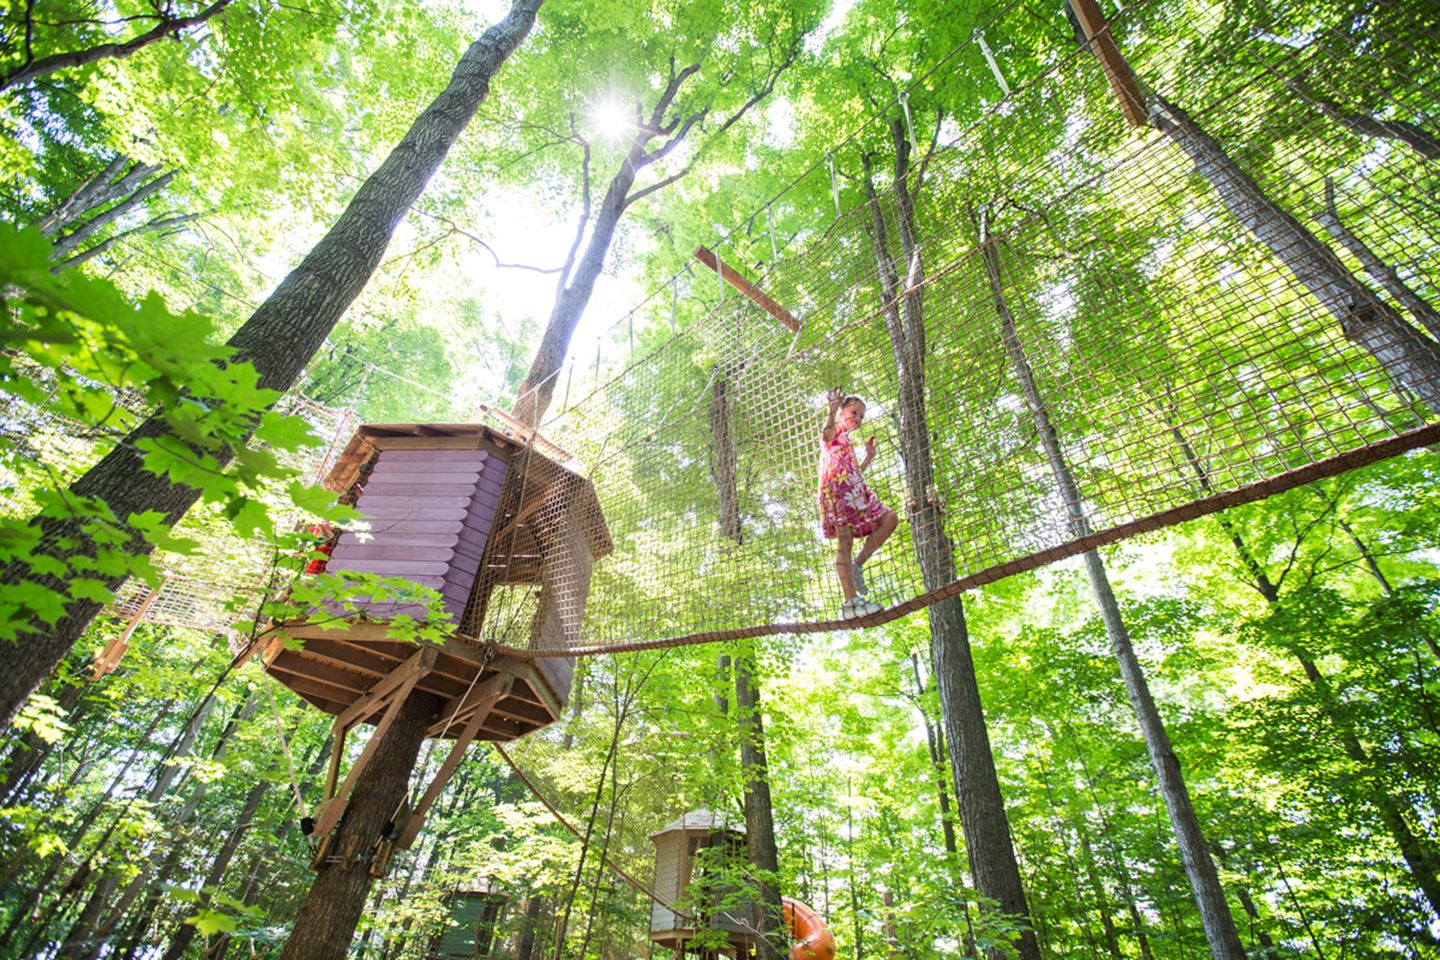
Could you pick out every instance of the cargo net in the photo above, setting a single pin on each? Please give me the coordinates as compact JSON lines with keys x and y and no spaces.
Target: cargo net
{"x":1067,"y":329}
{"x":210,"y":590}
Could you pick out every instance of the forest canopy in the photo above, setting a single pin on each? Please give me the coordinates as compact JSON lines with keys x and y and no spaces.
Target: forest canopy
{"x":1141,"y":305}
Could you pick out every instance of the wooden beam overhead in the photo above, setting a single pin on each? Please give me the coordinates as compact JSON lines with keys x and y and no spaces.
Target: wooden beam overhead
{"x":1112,"y":61}
{"x":731,"y":276}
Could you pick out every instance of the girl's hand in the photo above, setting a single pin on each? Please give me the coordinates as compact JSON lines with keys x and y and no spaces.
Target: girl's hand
{"x":869,"y":449}
{"x":835,"y":397}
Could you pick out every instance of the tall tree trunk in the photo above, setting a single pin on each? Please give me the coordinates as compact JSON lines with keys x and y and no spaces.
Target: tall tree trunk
{"x":1102,"y":898}
{"x":79,"y":943}
{"x":71,"y":241}
{"x":1410,"y":358}
{"x":1414,"y":136}
{"x":759,"y":814}
{"x":1420,"y":858}
{"x":1204,"y":879}
{"x":989,"y":846}
{"x":530,"y":928}
{"x":725,"y":464}
{"x":180,"y":940}
{"x":326,"y":922}
{"x":1384,"y":274}
{"x":279,"y":338}
{"x":582,"y":268}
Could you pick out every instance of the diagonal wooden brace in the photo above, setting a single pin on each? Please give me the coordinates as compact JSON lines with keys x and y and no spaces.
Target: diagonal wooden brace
{"x":733,"y":277}
{"x":480,"y":701}
{"x":388,"y":693}
{"x":1112,"y":61}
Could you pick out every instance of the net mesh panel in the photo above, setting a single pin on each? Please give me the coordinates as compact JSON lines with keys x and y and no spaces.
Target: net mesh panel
{"x":1174,"y":314}
{"x":222,"y":583}
{"x":1176,"y":355}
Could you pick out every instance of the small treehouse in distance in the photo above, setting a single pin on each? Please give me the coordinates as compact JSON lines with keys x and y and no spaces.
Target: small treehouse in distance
{"x":713,"y":909}
{"x":506,"y":535}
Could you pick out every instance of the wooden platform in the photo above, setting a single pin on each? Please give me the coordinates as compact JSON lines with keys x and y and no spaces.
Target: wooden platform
{"x":339,"y":671}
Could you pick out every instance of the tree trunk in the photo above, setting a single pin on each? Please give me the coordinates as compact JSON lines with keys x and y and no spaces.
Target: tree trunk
{"x":326,"y":922}
{"x":1422,"y":861}
{"x":69,"y":243}
{"x":1204,"y":879}
{"x":535,"y":392}
{"x":1384,"y":275}
{"x":180,"y":940}
{"x":759,"y":814}
{"x":725,"y":465}
{"x":529,"y":928}
{"x":989,"y":846}
{"x":1414,"y":136}
{"x":279,"y":338}
{"x":79,"y":942}
{"x":1410,"y":358}
{"x":1102,"y":899}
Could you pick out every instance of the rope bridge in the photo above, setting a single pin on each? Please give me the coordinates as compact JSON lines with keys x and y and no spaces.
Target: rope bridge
{"x":1090,"y":328}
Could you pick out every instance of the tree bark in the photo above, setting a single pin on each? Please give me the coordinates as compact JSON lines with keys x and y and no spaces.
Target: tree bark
{"x":989,"y":846}
{"x":1414,"y":136}
{"x":725,"y":464}
{"x":759,"y":814}
{"x":144,"y":191}
{"x":181,"y":939}
{"x":279,"y":338}
{"x":1204,"y":879}
{"x":1411,"y":359}
{"x":1384,"y":275}
{"x":326,"y":921}
{"x":167,"y":27}
{"x":528,"y":930}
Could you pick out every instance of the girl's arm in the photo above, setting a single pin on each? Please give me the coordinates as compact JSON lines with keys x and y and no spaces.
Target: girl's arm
{"x":835,"y":398}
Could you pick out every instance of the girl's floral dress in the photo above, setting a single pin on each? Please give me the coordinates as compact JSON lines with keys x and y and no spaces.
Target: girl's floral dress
{"x":845,"y":501}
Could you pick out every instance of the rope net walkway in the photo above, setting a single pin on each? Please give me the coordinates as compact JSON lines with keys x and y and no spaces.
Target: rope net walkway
{"x":1117,"y":328}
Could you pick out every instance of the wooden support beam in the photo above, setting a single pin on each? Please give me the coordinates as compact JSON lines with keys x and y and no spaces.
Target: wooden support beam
{"x":109,"y":658}
{"x":487,"y":694}
{"x":523,"y":514}
{"x":405,"y":675}
{"x":1112,"y":61}
{"x":329,"y":813}
{"x":754,"y":293}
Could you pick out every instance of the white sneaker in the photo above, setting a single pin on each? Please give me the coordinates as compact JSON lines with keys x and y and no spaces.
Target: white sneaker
{"x":858,"y":607}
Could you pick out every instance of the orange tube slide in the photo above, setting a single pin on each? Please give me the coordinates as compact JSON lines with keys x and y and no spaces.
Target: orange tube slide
{"x":811,"y":938}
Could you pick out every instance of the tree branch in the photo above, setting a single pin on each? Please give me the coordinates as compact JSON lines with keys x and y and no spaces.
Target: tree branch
{"x":34,"y":69}
{"x":457,"y":230}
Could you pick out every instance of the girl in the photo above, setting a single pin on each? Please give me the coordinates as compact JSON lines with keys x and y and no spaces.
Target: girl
{"x":848,"y":508}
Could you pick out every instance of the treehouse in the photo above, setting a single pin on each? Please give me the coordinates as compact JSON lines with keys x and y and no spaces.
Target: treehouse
{"x":692,"y":894}
{"x":505,"y":534}
{"x":474,"y":911}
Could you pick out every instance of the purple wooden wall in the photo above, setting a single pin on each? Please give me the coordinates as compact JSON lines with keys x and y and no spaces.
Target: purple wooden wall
{"x":430,"y":513}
